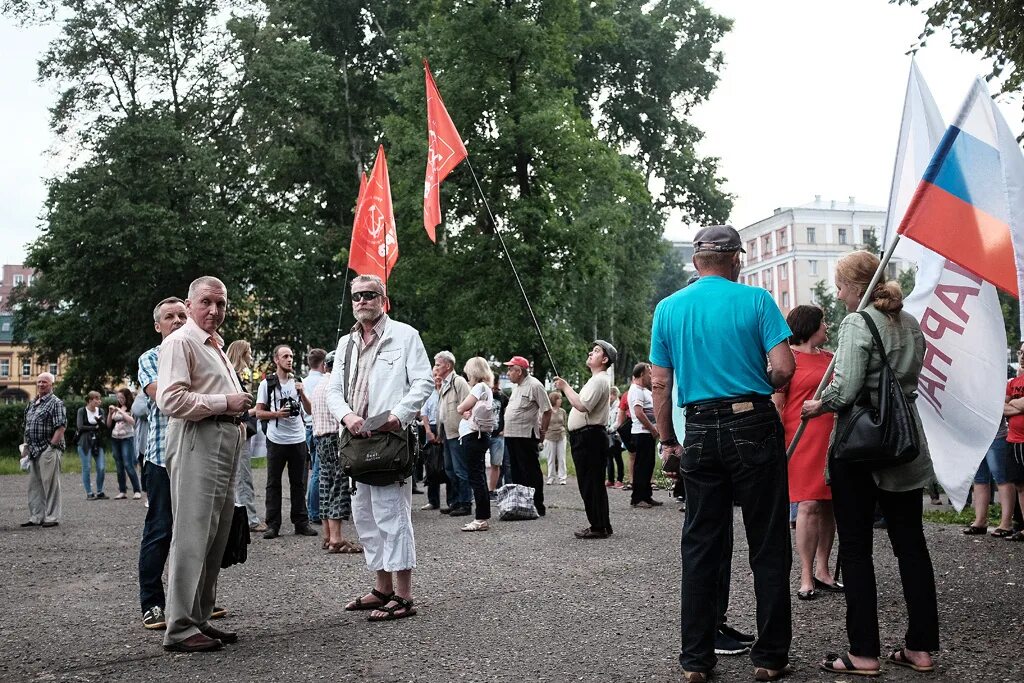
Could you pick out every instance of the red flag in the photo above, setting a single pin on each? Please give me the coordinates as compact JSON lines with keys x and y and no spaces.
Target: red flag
{"x":444,"y":152}
{"x":374,"y":249}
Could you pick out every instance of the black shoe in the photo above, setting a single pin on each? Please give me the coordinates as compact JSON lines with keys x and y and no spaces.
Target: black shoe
{"x":541,"y":511}
{"x":101,"y":496}
{"x":807,"y":595}
{"x":590,"y":532}
{"x":49,"y":524}
{"x":270,"y":533}
{"x":226,"y":637}
{"x":744,"y":638}
{"x":461,"y":511}
{"x":416,"y":490}
{"x":655,"y":503}
{"x":727,"y":645}
{"x":835,"y":587}
{"x":446,"y":511}
{"x":304,"y":530}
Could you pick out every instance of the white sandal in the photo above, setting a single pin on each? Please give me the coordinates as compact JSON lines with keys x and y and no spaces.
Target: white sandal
{"x":477,"y":525}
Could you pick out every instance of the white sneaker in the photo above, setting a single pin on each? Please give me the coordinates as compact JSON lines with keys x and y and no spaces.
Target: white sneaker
{"x":429,"y":506}
{"x":477,"y":525}
{"x":137,"y":496}
{"x":121,"y":496}
{"x":549,"y":482}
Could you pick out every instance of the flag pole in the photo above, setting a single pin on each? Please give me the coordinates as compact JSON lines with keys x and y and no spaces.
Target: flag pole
{"x":831,"y":366}
{"x":515,"y":272}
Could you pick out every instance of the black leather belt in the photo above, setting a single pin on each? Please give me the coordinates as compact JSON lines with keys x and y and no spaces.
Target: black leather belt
{"x":738,"y":404}
{"x":585,"y":428}
{"x":233,"y":419}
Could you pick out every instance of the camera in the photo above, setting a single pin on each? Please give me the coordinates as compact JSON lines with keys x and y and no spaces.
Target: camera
{"x":291,"y":404}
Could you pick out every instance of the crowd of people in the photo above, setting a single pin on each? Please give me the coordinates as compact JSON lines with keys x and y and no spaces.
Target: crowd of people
{"x":374,"y":419}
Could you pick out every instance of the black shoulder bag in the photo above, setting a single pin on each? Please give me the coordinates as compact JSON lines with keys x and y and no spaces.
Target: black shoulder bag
{"x":878,"y":437}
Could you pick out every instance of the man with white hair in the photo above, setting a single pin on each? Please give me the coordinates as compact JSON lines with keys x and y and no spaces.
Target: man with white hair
{"x":198,"y":390}
{"x":381,"y":372}
{"x":45,"y":422}
{"x":454,"y":390}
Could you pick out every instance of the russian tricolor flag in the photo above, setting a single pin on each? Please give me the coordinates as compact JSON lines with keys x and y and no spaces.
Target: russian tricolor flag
{"x":969,"y":206}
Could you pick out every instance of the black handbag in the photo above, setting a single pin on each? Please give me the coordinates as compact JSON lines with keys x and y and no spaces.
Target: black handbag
{"x":878,"y":437}
{"x":379,"y":459}
{"x":236,"y":552}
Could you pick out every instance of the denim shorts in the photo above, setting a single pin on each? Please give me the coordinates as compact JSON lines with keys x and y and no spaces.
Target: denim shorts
{"x":993,"y":466}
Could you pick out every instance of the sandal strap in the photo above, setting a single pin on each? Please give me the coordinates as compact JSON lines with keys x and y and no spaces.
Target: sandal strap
{"x":383,"y":597}
{"x":402,"y":602}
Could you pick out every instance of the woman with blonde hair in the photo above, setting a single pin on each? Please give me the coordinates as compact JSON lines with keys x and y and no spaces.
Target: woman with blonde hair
{"x":475,"y":436}
{"x":857,"y":487}
{"x":239,"y":353}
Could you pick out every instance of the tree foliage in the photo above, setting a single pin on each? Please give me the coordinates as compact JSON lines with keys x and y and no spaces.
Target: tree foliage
{"x":835,"y":310}
{"x":991,"y":28}
{"x":227,"y":138}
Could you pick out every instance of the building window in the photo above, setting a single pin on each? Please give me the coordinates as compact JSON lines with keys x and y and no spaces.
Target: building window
{"x":752,"y":280}
{"x":766,"y":279}
{"x":766,"y":245}
{"x":812,"y":267}
{"x":5,"y":367}
{"x":26,"y":368}
{"x":752,"y":249}
{"x":785,"y":299}
{"x":869,"y":235}
{"x":19,"y":279}
{"x":842,"y":235}
{"x":783,"y":271}
{"x":52,"y":369}
{"x":5,"y":327}
{"x":811,"y":236}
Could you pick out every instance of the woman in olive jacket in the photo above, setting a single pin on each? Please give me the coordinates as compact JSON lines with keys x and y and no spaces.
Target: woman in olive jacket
{"x":898,"y":490}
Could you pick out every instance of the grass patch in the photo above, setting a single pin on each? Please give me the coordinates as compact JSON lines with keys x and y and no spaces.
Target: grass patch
{"x":72,"y":464}
{"x":961,"y":518}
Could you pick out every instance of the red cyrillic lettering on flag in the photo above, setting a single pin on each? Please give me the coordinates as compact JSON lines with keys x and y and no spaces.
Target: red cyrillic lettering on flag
{"x":374,"y":249}
{"x":954,"y":297}
{"x":930,"y":354}
{"x":929,"y":388}
{"x":954,"y":268}
{"x":444,"y":152}
{"x":941,"y":325}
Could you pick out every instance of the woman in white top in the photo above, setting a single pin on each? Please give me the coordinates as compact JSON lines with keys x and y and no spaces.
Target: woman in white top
{"x":475,"y":436}
{"x":121,"y":424}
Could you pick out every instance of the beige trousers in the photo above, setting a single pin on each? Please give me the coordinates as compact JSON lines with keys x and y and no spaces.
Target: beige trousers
{"x":201,"y":461}
{"x":44,"y":487}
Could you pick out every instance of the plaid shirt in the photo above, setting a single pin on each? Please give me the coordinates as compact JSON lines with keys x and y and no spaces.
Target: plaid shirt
{"x":43,"y":417}
{"x":360,"y":400}
{"x":323,"y":420}
{"x":148,"y":367}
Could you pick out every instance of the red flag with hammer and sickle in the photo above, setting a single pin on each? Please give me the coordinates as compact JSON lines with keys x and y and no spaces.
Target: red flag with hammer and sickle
{"x":374,"y":249}
{"x":445,"y":151}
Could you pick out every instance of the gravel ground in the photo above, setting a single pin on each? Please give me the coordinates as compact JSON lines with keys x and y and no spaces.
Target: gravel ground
{"x":522,"y":602}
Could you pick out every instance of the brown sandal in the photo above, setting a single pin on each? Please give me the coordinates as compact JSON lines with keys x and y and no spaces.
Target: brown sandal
{"x":400,"y":610}
{"x":358,"y":605}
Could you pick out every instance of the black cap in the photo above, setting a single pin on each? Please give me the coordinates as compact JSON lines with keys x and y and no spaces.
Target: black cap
{"x":609,"y":350}
{"x":718,"y":238}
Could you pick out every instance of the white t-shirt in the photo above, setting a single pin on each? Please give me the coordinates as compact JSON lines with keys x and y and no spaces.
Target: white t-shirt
{"x":283,"y":430}
{"x":640,"y":396}
{"x":481,"y":417}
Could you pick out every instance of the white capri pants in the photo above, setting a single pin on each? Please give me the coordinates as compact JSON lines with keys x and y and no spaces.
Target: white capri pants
{"x":383,"y":520}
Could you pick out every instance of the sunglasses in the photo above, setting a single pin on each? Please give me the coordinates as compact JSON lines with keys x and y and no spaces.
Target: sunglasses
{"x":365,"y":296}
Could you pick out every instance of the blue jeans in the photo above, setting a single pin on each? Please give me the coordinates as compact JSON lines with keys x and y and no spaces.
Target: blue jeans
{"x":156,"y":537}
{"x":993,"y":465}
{"x":458,"y":473}
{"x":124,"y":458}
{"x":739,"y":457}
{"x":100,"y":456}
{"x":313,"y":488}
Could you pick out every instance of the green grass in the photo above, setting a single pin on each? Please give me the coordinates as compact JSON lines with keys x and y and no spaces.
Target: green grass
{"x":961,"y":518}
{"x":72,"y":464}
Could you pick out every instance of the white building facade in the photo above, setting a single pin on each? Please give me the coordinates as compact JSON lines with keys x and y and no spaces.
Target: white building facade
{"x":791,"y":251}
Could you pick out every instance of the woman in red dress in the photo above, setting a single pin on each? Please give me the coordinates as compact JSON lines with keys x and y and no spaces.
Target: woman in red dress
{"x":815,"y":524}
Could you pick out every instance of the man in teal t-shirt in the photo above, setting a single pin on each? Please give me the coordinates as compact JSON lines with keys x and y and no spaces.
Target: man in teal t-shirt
{"x":718,"y":338}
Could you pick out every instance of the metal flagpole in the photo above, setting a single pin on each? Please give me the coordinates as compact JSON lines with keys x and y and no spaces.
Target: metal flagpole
{"x":515,"y":272}
{"x":831,"y":366}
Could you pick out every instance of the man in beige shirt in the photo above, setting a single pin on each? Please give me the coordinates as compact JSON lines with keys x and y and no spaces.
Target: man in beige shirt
{"x":528,"y":405}
{"x":454,"y":390}
{"x":200,"y":393}
{"x":588,"y":439}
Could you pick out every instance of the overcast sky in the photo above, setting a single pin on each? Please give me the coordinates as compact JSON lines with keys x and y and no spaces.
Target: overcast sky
{"x":809,"y":103}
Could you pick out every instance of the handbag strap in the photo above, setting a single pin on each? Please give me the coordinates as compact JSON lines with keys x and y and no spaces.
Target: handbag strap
{"x":878,"y":340}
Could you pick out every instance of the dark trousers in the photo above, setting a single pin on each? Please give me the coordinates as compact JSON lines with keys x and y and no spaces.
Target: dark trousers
{"x":475,"y":448}
{"x":643,"y":468}
{"x":616,"y":470}
{"x":525,"y":460}
{"x":293,"y":456}
{"x":589,"y":454}
{"x":156,"y":537}
{"x":854,"y":494}
{"x":739,"y":457}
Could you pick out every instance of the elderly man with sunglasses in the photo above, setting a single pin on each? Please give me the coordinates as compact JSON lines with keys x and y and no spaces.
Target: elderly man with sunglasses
{"x":381,"y":368}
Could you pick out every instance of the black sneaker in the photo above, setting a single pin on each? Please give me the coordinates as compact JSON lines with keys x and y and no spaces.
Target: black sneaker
{"x":101,"y":496}
{"x":90,"y":496}
{"x":154,"y":619}
{"x":305,"y":530}
{"x":736,"y":635}
{"x":271,"y":533}
{"x":461,"y":511}
{"x":445,"y":511}
{"x":727,"y":645}
{"x":655,"y":503}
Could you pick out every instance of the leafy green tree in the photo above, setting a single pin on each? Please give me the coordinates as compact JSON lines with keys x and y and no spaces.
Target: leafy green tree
{"x":991,"y":28}
{"x":835,"y":310}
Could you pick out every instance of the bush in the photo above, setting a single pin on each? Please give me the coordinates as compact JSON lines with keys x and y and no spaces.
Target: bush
{"x":12,"y":422}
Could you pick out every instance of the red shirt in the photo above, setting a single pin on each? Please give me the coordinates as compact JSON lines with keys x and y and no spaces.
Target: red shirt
{"x":1015,"y":389}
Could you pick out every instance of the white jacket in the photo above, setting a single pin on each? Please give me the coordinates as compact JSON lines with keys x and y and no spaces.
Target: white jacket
{"x":400,"y":380}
